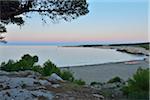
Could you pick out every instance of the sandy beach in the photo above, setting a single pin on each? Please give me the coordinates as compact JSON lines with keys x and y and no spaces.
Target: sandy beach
{"x":104,"y":72}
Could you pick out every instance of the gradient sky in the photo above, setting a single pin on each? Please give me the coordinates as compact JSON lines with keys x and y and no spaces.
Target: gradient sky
{"x":109,"y":21}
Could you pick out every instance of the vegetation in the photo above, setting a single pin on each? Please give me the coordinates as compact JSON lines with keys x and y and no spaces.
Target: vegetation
{"x":49,"y":68}
{"x":146,"y":46}
{"x":67,"y":75}
{"x":114,"y":80}
{"x":47,"y":9}
{"x":95,"y":83}
{"x":28,"y":62}
{"x":143,"y":45}
{"x":79,"y":82}
{"x":138,"y":86}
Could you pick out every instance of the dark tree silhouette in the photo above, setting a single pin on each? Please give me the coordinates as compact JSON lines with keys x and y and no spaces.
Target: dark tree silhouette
{"x":10,"y":10}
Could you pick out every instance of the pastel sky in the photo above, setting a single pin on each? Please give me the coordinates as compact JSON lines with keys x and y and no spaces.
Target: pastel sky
{"x":109,"y":21}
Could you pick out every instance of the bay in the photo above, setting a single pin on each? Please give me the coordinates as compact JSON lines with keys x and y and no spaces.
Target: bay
{"x":67,"y":56}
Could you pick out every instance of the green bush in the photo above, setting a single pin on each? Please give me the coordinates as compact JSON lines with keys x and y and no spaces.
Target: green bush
{"x":25,"y":63}
{"x":67,"y":75}
{"x":28,"y":62}
{"x":7,"y":66}
{"x":79,"y":82}
{"x":49,"y":68}
{"x":114,"y":80}
{"x":138,"y":86}
{"x":37,"y":68}
{"x":95,"y":83}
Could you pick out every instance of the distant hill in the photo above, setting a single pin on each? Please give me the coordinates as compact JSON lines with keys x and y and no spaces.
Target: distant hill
{"x":143,"y":45}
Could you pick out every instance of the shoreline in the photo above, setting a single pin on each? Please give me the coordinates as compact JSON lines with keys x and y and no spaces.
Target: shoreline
{"x":105,"y":72}
{"x":102,"y":64}
{"x":128,"y":48}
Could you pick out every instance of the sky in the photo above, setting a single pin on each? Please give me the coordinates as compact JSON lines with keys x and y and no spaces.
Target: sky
{"x":109,"y":21}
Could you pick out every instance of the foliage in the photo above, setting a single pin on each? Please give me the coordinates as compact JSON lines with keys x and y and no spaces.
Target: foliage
{"x":138,"y":85}
{"x":37,"y":68}
{"x":67,"y":75}
{"x":25,"y":63}
{"x":114,"y":80}
{"x":146,"y":46}
{"x":7,"y":66}
{"x":79,"y":82}
{"x":95,"y":83}
{"x":52,"y":9}
{"x":28,"y":62}
{"x":49,"y":68}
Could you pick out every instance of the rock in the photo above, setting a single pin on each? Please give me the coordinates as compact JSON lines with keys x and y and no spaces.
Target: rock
{"x":44,"y":82}
{"x":98,"y":96}
{"x":15,"y":94}
{"x":20,"y":82}
{"x":4,"y":79}
{"x":23,"y":94}
{"x":24,"y":86}
{"x":3,"y":73}
{"x":54,"y":78}
{"x":28,"y":73}
{"x":56,"y":85}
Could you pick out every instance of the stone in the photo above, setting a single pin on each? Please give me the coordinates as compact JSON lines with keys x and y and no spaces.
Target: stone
{"x":23,"y":94}
{"x":44,"y":82}
{"x":98,"y":96}
{"x":54,"y":78}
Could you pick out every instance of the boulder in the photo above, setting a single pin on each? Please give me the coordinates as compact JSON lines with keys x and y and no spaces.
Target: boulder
{"x":54,"y":78}
{"x":44,"y":82}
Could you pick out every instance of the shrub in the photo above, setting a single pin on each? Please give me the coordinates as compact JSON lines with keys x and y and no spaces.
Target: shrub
{"x":7,"y":66}
{"x":25,"y":63}
{"x":49,"y":68}
{"x":67,"y":75}
{"x":95,"y":83}
{"x":114,"y":80}
{"x":138,"y":86}
{"x":37,"y":68}
{"x":79,"y":82}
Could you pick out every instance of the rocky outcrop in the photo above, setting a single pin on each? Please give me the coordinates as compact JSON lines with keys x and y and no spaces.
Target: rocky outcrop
{"x":54,"y":78}
{"x":132,"y":50}
{"x":28,"y":85}
{"x":25,"y":85}
{"x":128,"y":49}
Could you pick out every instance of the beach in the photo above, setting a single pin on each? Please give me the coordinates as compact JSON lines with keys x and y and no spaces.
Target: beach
{"x":104,"y":72}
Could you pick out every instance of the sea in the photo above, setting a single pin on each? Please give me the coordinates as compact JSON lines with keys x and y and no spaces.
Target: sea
{"x":67,"y":56}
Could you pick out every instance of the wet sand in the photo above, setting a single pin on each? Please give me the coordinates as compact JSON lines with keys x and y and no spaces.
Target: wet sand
{"x":104,"y":72}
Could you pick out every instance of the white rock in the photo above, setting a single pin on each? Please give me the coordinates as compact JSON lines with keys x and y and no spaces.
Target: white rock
{"x":17,"y":81}
{"x":22,"y":94}
{"x":44,"y":82}
{"x":54,"y":78}
{"x":56,"y":85}
{"x":98,"y":96}
{"x":4,"y":79}
{"x":15,"y":94}
{"x":3,"y":73}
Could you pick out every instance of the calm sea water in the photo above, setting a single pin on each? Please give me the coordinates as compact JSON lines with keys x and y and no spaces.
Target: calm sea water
{"x":66,"y":56}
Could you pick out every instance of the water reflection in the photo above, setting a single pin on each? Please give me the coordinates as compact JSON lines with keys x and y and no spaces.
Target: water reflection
{"x":13,"y":11}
